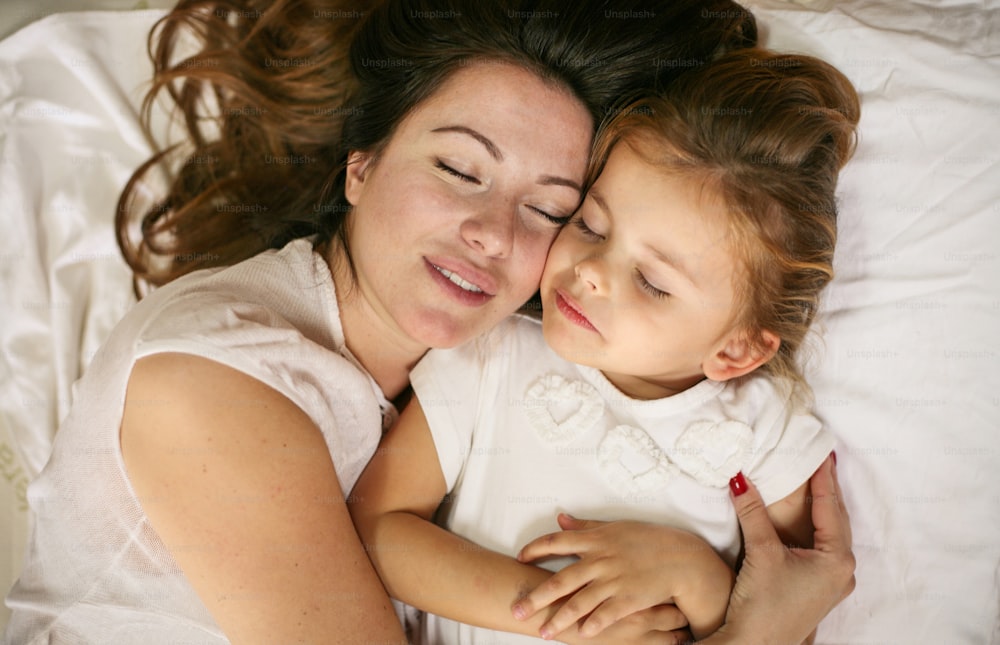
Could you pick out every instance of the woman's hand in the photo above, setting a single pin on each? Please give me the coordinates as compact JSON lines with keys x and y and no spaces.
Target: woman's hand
{"x":782,"y":594}
{"x":626,"y":567}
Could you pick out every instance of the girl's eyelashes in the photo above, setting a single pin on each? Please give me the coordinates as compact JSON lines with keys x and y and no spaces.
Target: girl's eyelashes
{"x":580,"y":224}
{"x":454,"y":173}
{"x":649,"y":288}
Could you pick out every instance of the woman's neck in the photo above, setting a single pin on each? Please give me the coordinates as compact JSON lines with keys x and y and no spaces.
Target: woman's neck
{"x":380,"y":346}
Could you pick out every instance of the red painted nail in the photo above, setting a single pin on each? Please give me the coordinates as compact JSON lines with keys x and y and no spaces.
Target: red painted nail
{"x":738,"y":484}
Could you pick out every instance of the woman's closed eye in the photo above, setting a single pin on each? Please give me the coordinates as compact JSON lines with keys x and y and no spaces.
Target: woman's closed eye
{"x":461,"y":176}
{"x":552,"y":219}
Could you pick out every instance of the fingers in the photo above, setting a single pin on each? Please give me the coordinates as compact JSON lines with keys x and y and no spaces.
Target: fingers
{"x":833,"y":526}
{"x":562,"y":543}
{"x":569,"y":523}
{"x":559,"y":585}
{"x":581,"y":604}
{"x":660,"y":625}
{"x":840,"y":500}
{"x":829,"y":516}
{"x":658,"y":618}
{"x":758,"y":530}
{"x":665,"y":618}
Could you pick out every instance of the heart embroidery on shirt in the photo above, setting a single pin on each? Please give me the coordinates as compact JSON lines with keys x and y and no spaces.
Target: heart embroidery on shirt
{"x":713,"y":452}
{"x":562,"y":410}
{"x":632,"y":462}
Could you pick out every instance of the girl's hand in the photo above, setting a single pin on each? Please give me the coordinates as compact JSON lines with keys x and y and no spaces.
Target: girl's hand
{"x":660,"y":625}
{"x":626,"y":567}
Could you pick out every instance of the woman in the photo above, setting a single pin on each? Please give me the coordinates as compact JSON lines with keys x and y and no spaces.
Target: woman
{"x":195,"y":493}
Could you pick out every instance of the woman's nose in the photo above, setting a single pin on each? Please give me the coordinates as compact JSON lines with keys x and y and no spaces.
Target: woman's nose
{"x":491,"y":232}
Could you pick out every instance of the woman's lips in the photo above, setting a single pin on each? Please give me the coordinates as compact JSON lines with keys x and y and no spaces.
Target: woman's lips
{"x":464,"y":285}
{"x":572,"y":310}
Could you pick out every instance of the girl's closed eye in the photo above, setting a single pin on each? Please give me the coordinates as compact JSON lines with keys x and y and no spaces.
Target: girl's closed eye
{"x":581,"y":225}
{"x":648,"y":287}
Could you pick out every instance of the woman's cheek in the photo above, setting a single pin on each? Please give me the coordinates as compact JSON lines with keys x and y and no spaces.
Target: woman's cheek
{"x":531,"y":262}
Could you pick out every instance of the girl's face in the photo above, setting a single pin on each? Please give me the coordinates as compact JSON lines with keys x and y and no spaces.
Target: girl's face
{"x":640,"y":283}
{"x":453,"y":219}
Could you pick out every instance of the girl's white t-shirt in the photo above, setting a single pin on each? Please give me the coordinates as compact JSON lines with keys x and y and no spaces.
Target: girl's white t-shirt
{"x":521,"y":435}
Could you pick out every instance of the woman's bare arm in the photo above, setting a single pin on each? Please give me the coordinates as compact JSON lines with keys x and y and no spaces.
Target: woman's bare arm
{"x":239,"y":485}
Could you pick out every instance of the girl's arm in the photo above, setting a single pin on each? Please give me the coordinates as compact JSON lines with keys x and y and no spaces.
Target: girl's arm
{"x":782,"y":539}
{"x":434,"y":570}
{"x":238,"y":483}
{"x":626,"y":566}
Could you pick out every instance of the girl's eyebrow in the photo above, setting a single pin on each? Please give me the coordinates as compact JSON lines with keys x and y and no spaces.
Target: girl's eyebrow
{"x":494,"y":151}
{"x":674,"y":264}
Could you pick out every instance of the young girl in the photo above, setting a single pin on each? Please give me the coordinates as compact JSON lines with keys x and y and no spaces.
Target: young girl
{"x":674,"y":305}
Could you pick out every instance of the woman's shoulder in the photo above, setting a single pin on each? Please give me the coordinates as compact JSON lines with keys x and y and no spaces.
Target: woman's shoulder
{"x":280,"y":296}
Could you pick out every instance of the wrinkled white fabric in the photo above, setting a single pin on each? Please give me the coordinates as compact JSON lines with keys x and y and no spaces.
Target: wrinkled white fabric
{"x":905,"y":375}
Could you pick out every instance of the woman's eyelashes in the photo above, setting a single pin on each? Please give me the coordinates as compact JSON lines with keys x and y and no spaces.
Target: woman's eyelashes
{"x":475,"y":181}
{"x":554,"y":219}
{"x":461,"y":176}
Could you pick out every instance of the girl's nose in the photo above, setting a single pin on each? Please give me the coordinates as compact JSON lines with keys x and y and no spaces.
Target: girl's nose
{"x":590,"y":272}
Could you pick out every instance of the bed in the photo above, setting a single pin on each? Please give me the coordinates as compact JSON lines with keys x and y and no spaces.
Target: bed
{"x":904,"y":370}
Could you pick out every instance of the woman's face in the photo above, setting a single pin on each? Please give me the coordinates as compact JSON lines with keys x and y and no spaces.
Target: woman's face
{"x":453,"y":219}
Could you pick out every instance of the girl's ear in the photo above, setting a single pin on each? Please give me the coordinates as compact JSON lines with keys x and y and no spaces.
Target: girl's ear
{"x":736,"y":355}
{"x":357,"y":166}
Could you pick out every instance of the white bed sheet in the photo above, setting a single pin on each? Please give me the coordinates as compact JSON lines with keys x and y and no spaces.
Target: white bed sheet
{"x":905,"y":374}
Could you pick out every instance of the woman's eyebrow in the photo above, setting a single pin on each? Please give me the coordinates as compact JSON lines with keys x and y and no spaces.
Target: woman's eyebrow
{"x":550,"y":180}
{"x":481,"y":138}
{"x":545,"y":180}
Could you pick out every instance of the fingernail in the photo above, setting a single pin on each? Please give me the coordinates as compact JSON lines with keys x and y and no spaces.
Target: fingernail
{"x":833,"y":453}
{"x":738,"y":484}
{"x":545,"y":633}
{"x":518,"y":611}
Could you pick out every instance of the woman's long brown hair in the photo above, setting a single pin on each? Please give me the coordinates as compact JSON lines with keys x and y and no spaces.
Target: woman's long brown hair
{"x":274,"y":94}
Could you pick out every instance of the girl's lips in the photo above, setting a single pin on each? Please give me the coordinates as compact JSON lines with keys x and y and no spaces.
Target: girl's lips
{"x":455,"y":291}
{"x":569,"y":308}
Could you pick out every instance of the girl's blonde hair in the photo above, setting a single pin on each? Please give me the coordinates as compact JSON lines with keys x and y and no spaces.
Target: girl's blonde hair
{"x":768,"y":133}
